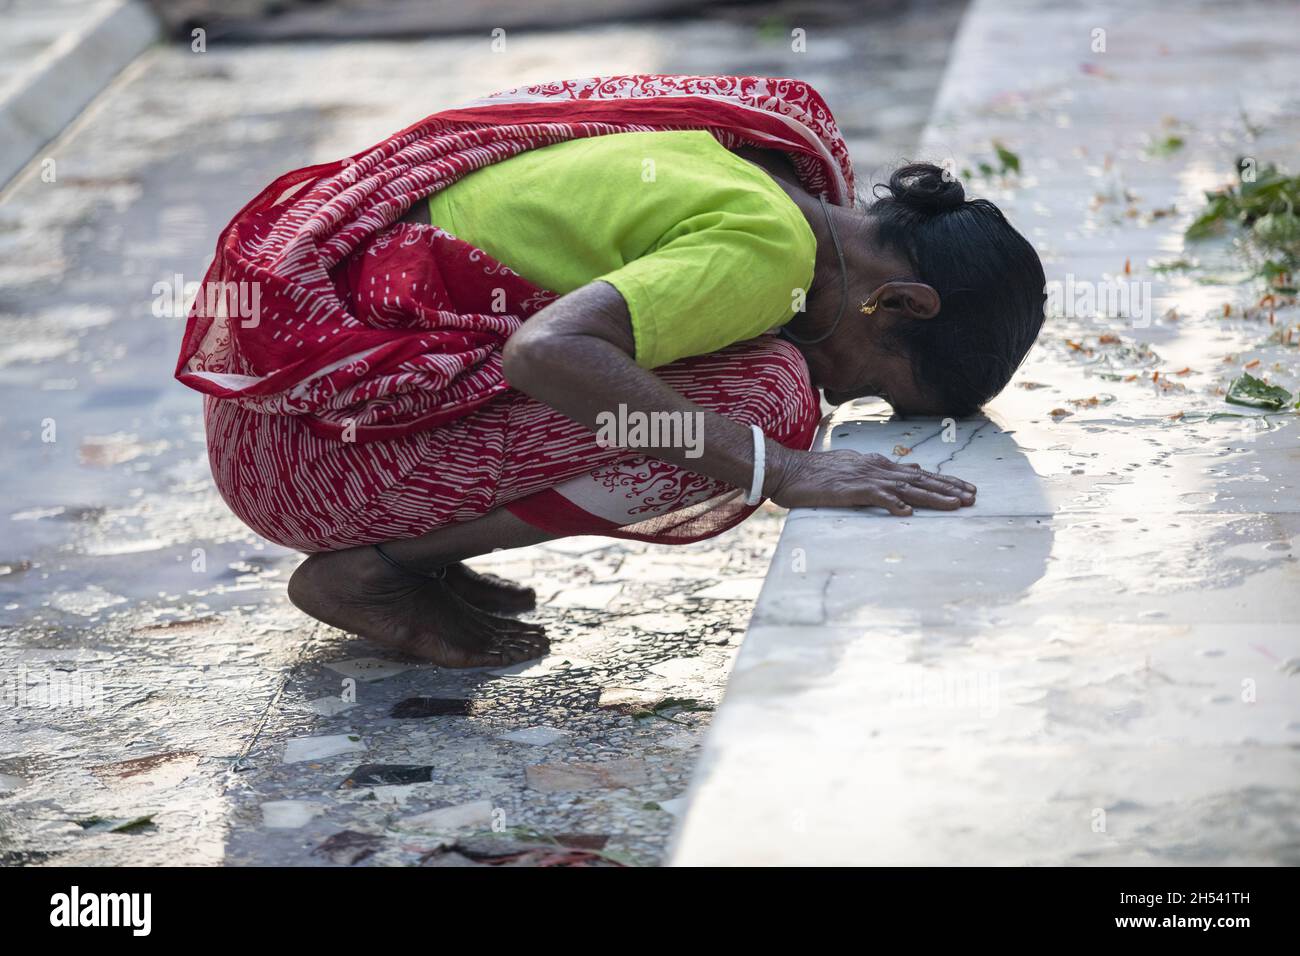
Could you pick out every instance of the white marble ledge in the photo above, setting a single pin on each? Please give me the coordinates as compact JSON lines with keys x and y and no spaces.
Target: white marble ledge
{"x":1094,"y":461}
{"x":989,"y":572}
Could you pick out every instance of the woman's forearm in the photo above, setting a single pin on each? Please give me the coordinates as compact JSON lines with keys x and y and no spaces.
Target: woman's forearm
{"x":577,"y":357}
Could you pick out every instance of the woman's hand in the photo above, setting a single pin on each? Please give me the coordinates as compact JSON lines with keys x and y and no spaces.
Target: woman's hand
{"x":576,"y":355}
{"x":846,"y":479}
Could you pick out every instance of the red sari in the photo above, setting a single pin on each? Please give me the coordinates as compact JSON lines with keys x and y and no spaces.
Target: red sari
{"x":363,"y":400}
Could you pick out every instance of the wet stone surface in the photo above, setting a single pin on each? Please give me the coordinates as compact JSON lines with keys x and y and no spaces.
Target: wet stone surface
{"x":593,"y":740}
{"x":263,"y":739}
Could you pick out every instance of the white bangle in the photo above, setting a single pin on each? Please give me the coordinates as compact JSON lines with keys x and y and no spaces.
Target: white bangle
{"x":760,"y":463}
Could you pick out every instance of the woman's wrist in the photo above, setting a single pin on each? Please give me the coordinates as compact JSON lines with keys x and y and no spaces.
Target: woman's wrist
{"x":780,"y":461}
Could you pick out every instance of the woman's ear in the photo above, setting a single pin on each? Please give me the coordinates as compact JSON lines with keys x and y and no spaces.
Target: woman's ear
{"x":909,"y":300}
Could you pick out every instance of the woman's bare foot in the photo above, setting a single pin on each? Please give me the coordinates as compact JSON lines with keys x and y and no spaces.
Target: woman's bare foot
{"x":489,"y":592}
{"x":354,"y":590}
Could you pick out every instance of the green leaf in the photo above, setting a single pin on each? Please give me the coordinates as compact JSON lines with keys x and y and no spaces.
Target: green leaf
{"x":1278,"y":231}
{"x":1009,"y":160}
{"x":1248,"y":390}
{"x":661,"y":709}
{"x":688,"y":703}
{"x":772,"y":28}
{"x":1219,"y":211}
{"x":1173,"y":265}
{"x":1167,"y":146}
{"x":131,"y":825}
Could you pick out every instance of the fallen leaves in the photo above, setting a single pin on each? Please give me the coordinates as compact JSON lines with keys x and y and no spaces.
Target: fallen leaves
{"x":131,"y":826}
{"x":1008,"y":164}
{"x":1167,"y":146}
{"x":1009,"y":160}
{"x":609,"y":775}
{"x":524,"y":848}
{"x":1172,"y":265}
{"x":672,"y":703}
{"x":348,"y":847}
{"x":1253,"y":392}
{"x":1092,"y":401}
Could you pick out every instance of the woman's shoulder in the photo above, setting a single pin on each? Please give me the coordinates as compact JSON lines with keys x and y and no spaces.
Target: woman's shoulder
{"x":735,"y":182}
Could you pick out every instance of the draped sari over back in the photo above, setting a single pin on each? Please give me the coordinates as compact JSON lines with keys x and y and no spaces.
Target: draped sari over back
{"x":378,"y":369}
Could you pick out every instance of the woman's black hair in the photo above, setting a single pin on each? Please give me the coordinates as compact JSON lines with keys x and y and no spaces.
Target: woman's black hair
{"x":989,"y":279}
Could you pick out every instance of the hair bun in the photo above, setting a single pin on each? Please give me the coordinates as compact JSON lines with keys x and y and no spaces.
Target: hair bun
{"x":926,"y":188}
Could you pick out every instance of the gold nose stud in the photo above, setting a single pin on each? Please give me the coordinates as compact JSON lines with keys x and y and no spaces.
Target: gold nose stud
{"x":869,"y":307}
